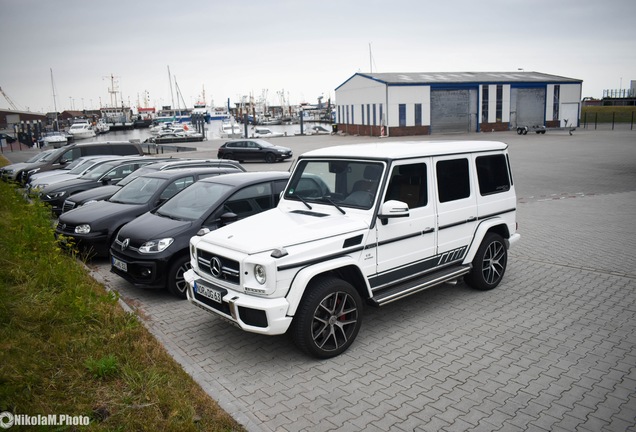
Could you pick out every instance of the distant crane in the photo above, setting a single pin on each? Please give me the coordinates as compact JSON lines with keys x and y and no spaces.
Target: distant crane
{"x":11,"y":103}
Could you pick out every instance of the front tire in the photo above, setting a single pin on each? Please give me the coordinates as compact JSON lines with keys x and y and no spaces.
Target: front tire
{"x":328,"y":318}
{"x":270,"y":158}
{"x":176,"y":282}
{"x":489,"y":264}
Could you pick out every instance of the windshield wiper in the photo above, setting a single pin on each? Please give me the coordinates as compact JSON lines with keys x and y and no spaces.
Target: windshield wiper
{"x":304,"y":202}
{"x":332,"y":202}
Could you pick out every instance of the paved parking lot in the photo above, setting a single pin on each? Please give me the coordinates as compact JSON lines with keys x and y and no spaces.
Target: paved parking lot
{"x":553,"y":348}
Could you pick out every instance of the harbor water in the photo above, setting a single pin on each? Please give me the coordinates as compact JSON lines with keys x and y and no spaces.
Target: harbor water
{"x":213,"y":131}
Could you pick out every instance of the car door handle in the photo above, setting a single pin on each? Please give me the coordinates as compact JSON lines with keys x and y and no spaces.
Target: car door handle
{"x":472,"y":218}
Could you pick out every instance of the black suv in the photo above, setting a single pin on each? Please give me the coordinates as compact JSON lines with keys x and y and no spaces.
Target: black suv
{"x":152,"y":250}
{"x":253,"y":149}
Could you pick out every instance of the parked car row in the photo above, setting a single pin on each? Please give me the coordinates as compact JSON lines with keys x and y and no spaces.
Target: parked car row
{"x":142,"y":211}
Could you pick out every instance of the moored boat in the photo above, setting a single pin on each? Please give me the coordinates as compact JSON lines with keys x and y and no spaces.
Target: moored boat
{"x":81,"y":129}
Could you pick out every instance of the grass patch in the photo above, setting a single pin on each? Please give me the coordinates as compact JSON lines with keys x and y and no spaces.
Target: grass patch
{"x":67,"y":347}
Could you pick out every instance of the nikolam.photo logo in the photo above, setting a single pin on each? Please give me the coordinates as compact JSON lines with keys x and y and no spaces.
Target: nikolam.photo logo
{"x":8,"y":420}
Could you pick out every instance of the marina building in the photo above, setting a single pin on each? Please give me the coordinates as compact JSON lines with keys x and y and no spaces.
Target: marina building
{"x":401,"y":104}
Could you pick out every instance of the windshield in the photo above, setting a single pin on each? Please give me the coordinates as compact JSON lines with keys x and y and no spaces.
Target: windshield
{"x":194,"y":201}
{"x":81,"y":165}
{"x":40,"y":156}
{"x":141,"y":171}
{"x":338,"y":182}
{"x":138,"y":191}
{"x":99,"y":170}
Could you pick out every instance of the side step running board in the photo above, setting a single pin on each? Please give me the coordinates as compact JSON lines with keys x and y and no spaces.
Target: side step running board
{"x":404,"y":289}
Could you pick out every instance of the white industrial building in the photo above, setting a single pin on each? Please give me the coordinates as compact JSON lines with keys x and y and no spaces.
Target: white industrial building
{"x":400,"y":104}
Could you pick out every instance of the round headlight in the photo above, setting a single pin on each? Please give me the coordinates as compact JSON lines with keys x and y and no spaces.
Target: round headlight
{"x":260,"y":274}
{"x":83,"y":229}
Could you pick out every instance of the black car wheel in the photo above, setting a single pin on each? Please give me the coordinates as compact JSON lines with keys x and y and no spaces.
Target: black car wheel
{"x":176,"y":282}
{"x":270,"y":158}
{"x":489,"y":264}
{"x":328,"y":318}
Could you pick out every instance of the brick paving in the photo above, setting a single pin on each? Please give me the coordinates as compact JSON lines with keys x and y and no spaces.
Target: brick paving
{"x":553,"y":348}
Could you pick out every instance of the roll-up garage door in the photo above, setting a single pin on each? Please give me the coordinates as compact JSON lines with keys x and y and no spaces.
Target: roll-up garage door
{"x":450,"y":111}
{"x":530,"y":107}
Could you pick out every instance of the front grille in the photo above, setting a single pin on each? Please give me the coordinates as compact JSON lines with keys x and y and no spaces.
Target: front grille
{"x":68,"y":205}
{"x":65,"y":228}
{"x":219,"y":267}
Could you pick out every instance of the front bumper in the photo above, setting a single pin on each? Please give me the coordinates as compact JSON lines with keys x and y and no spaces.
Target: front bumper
{"x":250,"y":313}
{"x":96,"y":244}
{"x":146,"y":273}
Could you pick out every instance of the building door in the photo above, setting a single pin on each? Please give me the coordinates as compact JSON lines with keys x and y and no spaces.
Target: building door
{"x":450,"y":111}
{"x":569,"y":115}
{"x":530,"y":106}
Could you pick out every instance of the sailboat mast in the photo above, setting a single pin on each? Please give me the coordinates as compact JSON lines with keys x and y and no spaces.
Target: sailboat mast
{"x":171,"y":94}
{"x":54,"y":101}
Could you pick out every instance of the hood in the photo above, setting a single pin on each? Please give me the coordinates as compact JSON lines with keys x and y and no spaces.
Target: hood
{"x":101,"y":212}
{"x":149,"y":226}
{"x":283,"y":228}
{"x":65,"y":185}
{"x":98,"y":194}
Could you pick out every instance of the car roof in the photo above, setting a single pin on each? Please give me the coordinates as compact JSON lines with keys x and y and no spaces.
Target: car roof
{"x":176,"y":173}
{"x":256,"y":140}
{"x":166,"y":164}
{"x":242,"y":178}
{"x":405,"y":149}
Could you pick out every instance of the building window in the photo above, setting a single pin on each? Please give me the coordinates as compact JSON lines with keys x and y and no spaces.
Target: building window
{"x":418,"y":114}
{"x":339,"y":114}
{"x":484,"y":104}
{"x":555,"y":106}
{"x":368,"y":114}
{"x":375,"y":123}
{"x":499,"y":103}
{"x":382,"y":119}
{"x":353,"y":111}
{"x":348,"y":114}
{"x":402,"y":111}
{"x":362,"y":114}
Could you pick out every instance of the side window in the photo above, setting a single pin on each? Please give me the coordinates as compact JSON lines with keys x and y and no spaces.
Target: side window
{"x":176,"y":186}
{"x":96,"y":150}
{"x":408,"y":184}
{"x":122,"y":171}
{"x":492,"y":173}
{"x":250,"y":200}
{"x":71,"y":155}
{"x":453,"y":180}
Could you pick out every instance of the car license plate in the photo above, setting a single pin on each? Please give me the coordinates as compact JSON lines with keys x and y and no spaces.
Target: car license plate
{"x":208,"y":292}
{"x":118,"y":264}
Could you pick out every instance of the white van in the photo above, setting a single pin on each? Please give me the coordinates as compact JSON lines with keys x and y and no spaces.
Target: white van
{"x":362,"y":223}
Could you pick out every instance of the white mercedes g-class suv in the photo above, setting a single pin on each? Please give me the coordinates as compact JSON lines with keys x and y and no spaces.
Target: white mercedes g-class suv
{"x":360,"y":223}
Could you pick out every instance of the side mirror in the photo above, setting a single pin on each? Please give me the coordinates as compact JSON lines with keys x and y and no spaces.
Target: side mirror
{"x":393,"y":209}
{"x":228,"y":218}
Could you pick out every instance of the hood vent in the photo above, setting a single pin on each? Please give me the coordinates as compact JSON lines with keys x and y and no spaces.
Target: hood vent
{"x":309,"y":213}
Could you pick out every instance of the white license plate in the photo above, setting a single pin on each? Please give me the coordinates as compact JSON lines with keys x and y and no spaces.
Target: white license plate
{"x":208,"y":292}
{"x":120,"y":265}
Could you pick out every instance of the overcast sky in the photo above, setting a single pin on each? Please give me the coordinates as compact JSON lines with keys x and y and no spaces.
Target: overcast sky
{"x":302,"y":49}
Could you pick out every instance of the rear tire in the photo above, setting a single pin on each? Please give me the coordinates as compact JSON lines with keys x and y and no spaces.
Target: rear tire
{"x":328,"y":318}
{"x":489,"y":264}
